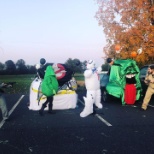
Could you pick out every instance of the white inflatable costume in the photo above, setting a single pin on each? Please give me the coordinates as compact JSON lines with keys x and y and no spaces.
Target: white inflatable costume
{"x":92,"y":83}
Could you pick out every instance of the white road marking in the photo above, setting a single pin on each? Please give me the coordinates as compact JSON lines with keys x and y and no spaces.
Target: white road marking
{"x":80,"y":101}
{"x":150,"y":105}
{"x":13,"y":108}
{"x":103,"y":120}
{"x":98,"y":116}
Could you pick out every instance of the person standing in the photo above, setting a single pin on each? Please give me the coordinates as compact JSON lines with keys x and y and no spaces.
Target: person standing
{"x":3,"y":106}
{"x":49,"y":88}
{"x":92,"y":83}
{"x":149,"y":80}
{"x":110,"y":61}
{"x":41,"y":69}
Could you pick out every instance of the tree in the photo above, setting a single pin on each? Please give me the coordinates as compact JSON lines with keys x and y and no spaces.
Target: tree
{"x":10,"y":67}
{"x":2,"y":66}
{"x":130,"y":24}
{"x":31,"y":69}
{"x":74,"y":64}
{"x":21,"y":67}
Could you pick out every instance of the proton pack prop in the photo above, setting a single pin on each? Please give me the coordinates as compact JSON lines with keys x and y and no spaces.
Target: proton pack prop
{"x":66,"y":96}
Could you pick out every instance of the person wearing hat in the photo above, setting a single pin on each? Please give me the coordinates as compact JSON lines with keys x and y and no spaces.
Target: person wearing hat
{"x":149,"y":80}
{"x":110,"y":61}
{"x":41,"y":68}
{"x":49,"y":88}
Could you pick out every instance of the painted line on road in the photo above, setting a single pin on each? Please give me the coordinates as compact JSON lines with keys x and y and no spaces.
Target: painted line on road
{"x":13,"y":108}
{"x":103,"y":120}
{"x":81,"y":102}
{"x":150,"y":105}
{"x":98,"y":116}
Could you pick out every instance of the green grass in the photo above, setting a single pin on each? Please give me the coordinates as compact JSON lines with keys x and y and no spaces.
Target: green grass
{"x":23,"y":82}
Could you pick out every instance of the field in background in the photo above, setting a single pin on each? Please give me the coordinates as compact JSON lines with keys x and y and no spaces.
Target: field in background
{"x":23,"y":82}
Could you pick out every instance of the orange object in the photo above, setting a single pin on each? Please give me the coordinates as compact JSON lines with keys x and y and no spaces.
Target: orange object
{"x":133,"y":54}
{"x":117,"y":47}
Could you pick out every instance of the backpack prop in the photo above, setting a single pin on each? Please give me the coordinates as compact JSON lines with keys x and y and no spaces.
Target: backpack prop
{"x":66,"y":97}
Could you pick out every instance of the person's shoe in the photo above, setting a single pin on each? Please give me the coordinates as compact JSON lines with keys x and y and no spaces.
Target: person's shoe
{"x":7,"y":120}
{"x":41,"y":111}
{"x":51,"y":112}
{"x":142,"y":109}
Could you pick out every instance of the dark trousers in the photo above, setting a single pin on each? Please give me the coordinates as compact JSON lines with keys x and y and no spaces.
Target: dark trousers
{"x":49,"y":101}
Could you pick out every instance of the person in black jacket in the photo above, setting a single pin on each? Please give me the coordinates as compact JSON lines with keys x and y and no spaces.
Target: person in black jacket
{"x":110,"y":61}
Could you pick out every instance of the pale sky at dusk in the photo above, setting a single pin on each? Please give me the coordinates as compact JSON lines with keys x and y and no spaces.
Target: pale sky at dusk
{"x":52,"y":29}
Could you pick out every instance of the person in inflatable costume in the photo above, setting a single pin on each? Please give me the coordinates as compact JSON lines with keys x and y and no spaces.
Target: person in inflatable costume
{"x":92,"y":83}
{"x":124,"y":72}
{"x":49,"y":88}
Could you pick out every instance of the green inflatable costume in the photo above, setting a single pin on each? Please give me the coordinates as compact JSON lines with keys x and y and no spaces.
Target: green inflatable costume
{"x":50,"y":84}
{"x":117,"y":79}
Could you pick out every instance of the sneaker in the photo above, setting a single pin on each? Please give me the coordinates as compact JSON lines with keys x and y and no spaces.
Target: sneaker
{"x":6,"y":119}
{"x":143,"y":109}
{"x":51,"y":112}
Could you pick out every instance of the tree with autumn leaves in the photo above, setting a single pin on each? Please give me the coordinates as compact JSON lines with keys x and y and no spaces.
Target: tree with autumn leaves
{"x":129,"y":26}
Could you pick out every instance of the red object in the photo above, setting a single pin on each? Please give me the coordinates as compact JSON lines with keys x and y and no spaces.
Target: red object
{"x":130,"y":94}
{"x":61,"y":72}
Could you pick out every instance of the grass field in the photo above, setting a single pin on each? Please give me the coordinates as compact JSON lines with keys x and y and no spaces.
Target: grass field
{"x":23,"y":82}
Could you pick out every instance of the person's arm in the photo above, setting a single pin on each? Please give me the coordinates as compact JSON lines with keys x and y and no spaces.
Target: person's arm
{"x":147,"y":79}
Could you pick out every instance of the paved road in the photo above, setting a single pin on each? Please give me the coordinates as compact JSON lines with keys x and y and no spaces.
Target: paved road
{"x":115,"y":129}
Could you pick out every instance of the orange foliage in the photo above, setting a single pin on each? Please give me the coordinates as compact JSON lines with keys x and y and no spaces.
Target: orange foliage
{"x":130,"y":22}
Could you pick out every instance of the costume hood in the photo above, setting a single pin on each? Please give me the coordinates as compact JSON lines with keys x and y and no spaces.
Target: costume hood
{"x":49,"y":71}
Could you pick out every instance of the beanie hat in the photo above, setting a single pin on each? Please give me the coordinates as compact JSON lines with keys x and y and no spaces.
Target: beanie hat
{"x":109,"y":60}
{"x":152,"y":66}
{"x":42,"y":61}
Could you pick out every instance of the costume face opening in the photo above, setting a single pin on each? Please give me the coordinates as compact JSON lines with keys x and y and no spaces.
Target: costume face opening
{"x":90,"y":64}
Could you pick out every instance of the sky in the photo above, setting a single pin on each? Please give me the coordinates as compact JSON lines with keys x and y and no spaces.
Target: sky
{"x":52,"y":29}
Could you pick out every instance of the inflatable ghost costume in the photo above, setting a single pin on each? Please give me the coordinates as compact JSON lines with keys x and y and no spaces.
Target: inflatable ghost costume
{"x":92,"y":83}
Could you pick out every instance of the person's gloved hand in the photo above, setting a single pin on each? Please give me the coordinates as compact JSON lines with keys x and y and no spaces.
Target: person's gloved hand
{"x":93,"y":70}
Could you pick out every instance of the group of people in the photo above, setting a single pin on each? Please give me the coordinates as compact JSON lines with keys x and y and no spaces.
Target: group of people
{"x":50,"y":85}
{"x":149,"y":80}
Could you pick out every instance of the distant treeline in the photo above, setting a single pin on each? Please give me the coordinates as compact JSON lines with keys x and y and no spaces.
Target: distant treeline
{"x":20,"y":67}
{"x":11,"y":68}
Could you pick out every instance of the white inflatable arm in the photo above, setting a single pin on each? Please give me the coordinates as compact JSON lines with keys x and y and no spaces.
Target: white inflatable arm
{"x":88,"y":73}
{"x":99,"y":69}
